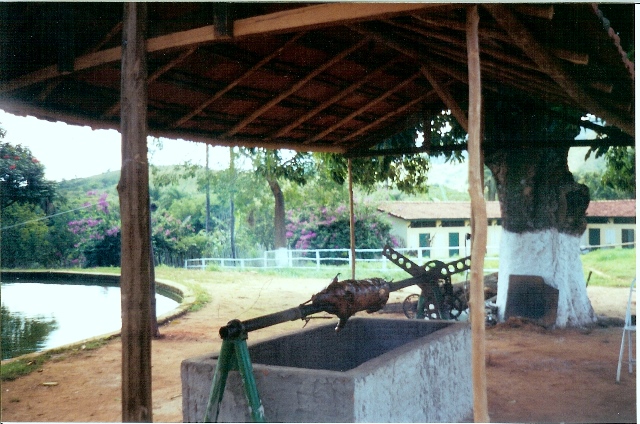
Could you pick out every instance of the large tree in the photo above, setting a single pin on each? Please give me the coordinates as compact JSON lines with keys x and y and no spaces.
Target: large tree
{"x":543,"y":208}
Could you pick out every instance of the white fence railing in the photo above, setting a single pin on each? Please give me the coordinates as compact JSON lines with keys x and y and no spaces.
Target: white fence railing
{"x":315,"y":258}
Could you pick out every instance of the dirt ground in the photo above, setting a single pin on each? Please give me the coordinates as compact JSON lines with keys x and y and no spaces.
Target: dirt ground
{"x":533,"y":374}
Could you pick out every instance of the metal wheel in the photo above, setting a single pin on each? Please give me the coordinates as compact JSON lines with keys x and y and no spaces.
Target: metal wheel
{"x":410,"y":306}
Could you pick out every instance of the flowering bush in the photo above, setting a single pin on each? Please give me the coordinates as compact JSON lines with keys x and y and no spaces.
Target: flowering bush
{"x":329,"y":229}
{"x":97,"y":232}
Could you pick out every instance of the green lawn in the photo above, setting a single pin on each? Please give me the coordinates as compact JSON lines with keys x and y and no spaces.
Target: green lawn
{"x":610,"y":267}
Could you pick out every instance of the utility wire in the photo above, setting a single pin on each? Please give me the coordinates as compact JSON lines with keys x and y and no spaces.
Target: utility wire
{"x":46,"y":217}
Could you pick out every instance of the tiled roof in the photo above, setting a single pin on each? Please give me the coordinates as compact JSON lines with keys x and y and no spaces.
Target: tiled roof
{"x":462,"y":210}
{"x":435,"y":210}
{"x":612,"y":208}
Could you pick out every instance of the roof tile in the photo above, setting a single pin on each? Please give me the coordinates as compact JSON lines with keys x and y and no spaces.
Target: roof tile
{"x":462,"y":210}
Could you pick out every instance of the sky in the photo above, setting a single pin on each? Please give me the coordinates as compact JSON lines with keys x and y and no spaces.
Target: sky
{"x":71,"y":151}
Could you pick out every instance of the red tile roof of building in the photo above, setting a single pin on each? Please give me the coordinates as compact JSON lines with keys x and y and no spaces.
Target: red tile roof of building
{"x":462,"y":210}
{"x":612,"y":208}
{"x":435,"y":210}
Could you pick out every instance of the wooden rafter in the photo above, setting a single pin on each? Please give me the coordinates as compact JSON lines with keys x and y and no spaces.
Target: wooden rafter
{"x":548,"y":64}
{"x":363,"y":109}
{"x":453,"y":25}
{"x":327,"y":14}
{"x":426,"y":33}
{"x":157,"y":74}
{"x":383,"y":118}
{"x":577,"y":58}
{"x":446,"y":96}
{"x":261,"y":110}
{"x":300,"y":19}
{"x":337,"y":97}
{"x":404,"y":49}
{"x":202,"y":106}
{"x":536,"y":11}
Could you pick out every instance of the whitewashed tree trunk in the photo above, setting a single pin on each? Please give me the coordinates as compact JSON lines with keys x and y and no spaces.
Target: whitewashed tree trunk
{"x":543,"y":216}
{"x":555,"y":257}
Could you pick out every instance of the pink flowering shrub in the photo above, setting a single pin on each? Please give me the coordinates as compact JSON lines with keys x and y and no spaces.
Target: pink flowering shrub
{"x":329,"y":229}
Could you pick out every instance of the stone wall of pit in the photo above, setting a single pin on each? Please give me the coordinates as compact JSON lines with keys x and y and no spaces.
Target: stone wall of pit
{"x":374,"y":370}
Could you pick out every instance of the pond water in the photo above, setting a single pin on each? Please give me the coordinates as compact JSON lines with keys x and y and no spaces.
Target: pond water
{"x":38,"y":315}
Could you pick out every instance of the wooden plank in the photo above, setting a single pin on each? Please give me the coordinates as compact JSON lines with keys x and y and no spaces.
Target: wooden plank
{"x":541,"y":11}
{"x":337,"y":97}
{"x":363,"y":109}
{"x":133,"y":190}
{"x":479,"y":222}
{"x":295,"y":87}
{"x":321,"y":15}
{"x":549,"y":65}
{"x":446,"y":97}
{"x":235,"y":82}
{"x":571,"y":56}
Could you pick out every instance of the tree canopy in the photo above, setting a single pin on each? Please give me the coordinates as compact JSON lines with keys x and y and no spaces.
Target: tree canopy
{"x":22,"y":176}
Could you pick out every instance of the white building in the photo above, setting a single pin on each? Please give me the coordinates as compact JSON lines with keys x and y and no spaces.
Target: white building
{"x":440,"y":229}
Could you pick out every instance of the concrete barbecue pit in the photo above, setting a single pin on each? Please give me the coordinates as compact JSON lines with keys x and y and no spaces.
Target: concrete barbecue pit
{"x":375,"y":369}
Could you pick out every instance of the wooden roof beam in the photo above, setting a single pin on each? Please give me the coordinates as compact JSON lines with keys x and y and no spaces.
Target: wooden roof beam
{"x":536,"y":11}
{"x":548,"y":64}
{"x":447,"y":98}
{"x":309,"y":17}
{"x":337,"y":97}
{"x":574,"y":57}
{"x":261,"y":110}
{"x":381,"y":119}
{"x":154,"y":76}
{"x":326,"y":14}
{"x":363,"y":109}
{"x":451,"y":24}
{"x":202,"y":106}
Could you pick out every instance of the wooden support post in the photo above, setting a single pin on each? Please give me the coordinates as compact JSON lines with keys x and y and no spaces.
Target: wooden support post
{"x":133,"y":190}
{"x":352,"y":221}
{"x":479,"y":226}
{"x":222,"y":21}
